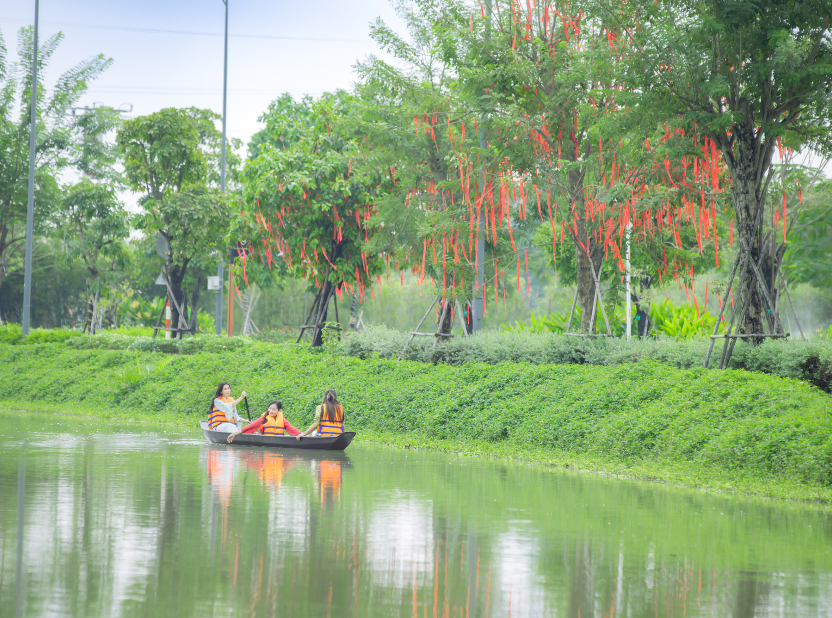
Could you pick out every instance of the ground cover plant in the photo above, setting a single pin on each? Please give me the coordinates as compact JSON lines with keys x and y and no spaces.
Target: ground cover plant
{"x":731,"y":429}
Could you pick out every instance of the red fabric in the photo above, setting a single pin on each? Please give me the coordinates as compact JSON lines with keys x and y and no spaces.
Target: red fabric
{"x":253,"y":427}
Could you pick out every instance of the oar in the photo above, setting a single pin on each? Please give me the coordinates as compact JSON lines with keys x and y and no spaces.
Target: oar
{"x":248,"y":414}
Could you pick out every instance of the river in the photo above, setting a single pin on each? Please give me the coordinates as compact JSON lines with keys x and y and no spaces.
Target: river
{"x":106,"y":519}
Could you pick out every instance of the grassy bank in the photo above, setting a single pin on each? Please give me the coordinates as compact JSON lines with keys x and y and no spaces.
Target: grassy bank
{"x":731,"y":430}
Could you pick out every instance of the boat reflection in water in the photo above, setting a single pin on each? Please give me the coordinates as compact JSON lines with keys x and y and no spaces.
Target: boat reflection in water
{"x":226,"y":466}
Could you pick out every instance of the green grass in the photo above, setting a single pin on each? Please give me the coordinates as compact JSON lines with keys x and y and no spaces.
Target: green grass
{"x":724,"y":431}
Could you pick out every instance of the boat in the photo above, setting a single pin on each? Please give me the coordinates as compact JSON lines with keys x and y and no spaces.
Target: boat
{"x":337,"y":443}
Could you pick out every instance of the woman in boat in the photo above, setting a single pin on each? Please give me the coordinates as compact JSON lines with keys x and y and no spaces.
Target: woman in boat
{"x":271,"y":423}
{"x":329,"y":417}
{"x":222,"y":415}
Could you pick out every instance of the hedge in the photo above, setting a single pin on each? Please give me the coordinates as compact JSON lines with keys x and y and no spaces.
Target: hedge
{"x":695,"y":424}
{"x":806,"y":360}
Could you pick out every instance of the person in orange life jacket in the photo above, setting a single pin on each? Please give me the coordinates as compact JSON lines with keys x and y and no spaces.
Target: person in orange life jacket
{"x":270,"y":423}
{"x":222,"y":415}
{"x":329,"y":417}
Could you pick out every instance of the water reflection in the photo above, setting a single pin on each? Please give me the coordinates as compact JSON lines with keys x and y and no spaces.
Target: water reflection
{"x":113,"y":521}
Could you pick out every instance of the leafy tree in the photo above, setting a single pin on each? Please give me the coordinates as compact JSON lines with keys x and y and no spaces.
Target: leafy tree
{"x":169,"y":156}
{"x":809,"y":257}
{"x":94,"y":223}
{"x":64,"y":140}
{"x":747,"y":76}
{"x":304,"y":200}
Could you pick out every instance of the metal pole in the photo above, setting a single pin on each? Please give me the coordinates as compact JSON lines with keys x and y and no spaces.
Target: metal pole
{"x":222,"y":184}
{"x":476,"y":303}
{"x":219,"y":297}
{"x":30,"y":204}
{"x":224,"y":97}
{"x":629,"y":289}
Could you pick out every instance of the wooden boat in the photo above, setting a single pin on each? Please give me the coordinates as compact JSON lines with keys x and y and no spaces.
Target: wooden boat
{"x":338,"y":443}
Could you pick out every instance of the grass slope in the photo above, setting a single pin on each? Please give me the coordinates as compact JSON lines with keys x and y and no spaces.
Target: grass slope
{"x":730,"y":430}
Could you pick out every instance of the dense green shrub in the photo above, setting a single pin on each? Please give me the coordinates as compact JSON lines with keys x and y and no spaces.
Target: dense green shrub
{"x":808,"y":360}
{"x":734,"y":422}
{"x":13,"y":334}
{"x":115,"y":341}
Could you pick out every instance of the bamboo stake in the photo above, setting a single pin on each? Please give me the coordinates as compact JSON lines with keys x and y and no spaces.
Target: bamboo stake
{"x":422,"y":321}
{"x":764,"y":289}
{"x":572,"y":312}
{"x":721,"y":311}
{"x":441,"y":321}
{"x":789,"y":296}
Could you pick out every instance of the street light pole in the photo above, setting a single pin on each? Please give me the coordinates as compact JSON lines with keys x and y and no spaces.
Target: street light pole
{"x":222,"y":170}
{"x":477,"y":309}
{"x":30,"y":204}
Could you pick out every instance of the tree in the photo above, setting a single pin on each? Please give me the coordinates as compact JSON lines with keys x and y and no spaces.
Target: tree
{"x":748,"y":77}
{"x":63,"y":139}
{"x":303,"y":199}
{"x":94,"y":223}
{"x":168,"y":157}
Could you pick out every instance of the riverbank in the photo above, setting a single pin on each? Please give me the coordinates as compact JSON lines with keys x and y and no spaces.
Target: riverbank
{"x":723,"y":431}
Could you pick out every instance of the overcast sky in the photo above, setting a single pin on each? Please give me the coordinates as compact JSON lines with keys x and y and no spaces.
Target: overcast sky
{"x":274,"y":47}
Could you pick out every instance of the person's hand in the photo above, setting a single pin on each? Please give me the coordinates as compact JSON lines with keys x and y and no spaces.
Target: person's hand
{"x":231,"y":437}
{"x":299,"y":436}
{"x":243,"y":395}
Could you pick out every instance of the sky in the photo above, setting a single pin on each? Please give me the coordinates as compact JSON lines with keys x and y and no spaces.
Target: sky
{"x":273,"y":47}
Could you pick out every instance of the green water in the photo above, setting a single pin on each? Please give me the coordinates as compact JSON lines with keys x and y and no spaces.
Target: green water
{"x":121,"y":520}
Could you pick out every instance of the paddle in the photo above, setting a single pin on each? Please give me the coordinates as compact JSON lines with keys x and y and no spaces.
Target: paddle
{"x":248,"y":414}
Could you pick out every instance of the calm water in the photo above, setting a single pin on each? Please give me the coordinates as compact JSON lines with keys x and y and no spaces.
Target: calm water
{"x":122,"y":520}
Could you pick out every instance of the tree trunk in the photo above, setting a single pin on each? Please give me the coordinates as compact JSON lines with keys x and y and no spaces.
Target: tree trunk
{"x":325,"y":293}
{"x":642,"y":309}
{"x":447,"y":318}
{"x":586,"y":284}
{"x":176,"y":275}
{"x":748,"y":193}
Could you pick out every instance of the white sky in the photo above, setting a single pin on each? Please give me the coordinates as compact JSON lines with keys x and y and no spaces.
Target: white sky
{"x":155,"y":68}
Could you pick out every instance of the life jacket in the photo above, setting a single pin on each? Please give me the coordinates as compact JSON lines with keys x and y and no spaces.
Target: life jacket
{"x":216,"y":417}
{"x":273,"y":425}
{"x":328,"y":429}
{"x":329,"y":476}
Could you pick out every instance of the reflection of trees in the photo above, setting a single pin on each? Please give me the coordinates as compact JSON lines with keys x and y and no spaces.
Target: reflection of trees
{"x":129,"y":533}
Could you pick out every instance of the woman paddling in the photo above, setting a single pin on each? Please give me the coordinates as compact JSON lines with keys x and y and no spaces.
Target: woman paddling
{"x":271,"y":423}
{"x":223,"y":412}
{"x":329,"y":417}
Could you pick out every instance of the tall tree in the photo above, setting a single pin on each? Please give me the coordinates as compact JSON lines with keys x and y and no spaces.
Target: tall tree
{"x":747,"y":76}
{"x":169,"y":156}
{"x":94,"y":223}
{"x":63,"y":139}
{"x":305,"y":201}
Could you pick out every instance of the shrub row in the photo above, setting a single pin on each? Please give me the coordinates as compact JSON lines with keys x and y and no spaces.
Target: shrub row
{"x":190,"y":345}
{"x":12,"y":334}
{"x":806,"y":360}
{"x":732,"y":422}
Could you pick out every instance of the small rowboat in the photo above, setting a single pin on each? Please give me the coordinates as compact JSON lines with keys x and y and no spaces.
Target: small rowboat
{"x":338,"y":443}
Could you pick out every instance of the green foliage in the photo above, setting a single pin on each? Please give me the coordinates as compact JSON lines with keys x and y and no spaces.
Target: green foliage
{"x":64,"y":140}
{"x":683,"y":322}
{"x":116,"y":340}
{"x":810,"y":239}
{"x":730,"y":423}
{"x":12,"y":334}
{"x":778,"y":357}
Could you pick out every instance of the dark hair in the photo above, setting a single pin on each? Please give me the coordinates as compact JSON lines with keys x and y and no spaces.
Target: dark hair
{"x":218,"y":394}
{"x":332,"y":410}
{"x":273,"y":402}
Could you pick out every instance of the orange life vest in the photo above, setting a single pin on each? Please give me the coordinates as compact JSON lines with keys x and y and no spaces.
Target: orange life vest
{"x":273,"y":425}
{"x":330,"y":429}
{"x":216,"y":417}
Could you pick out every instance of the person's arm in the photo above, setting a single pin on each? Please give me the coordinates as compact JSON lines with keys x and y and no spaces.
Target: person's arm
{"x":289,"y":429}
{"x":312,"y":428}
{"x":251,"y":428}
{"x":242,"y":396}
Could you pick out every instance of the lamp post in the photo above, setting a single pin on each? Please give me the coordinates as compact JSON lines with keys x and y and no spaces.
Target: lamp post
{"x":30,"y":203}
{"x":222,"y":188}
{"x":477,"y":301}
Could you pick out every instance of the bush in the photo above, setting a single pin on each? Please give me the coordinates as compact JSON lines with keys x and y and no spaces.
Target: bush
{"x":13,"y":334}
{"x":115,"y":341}
{"x":806,"y":360}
